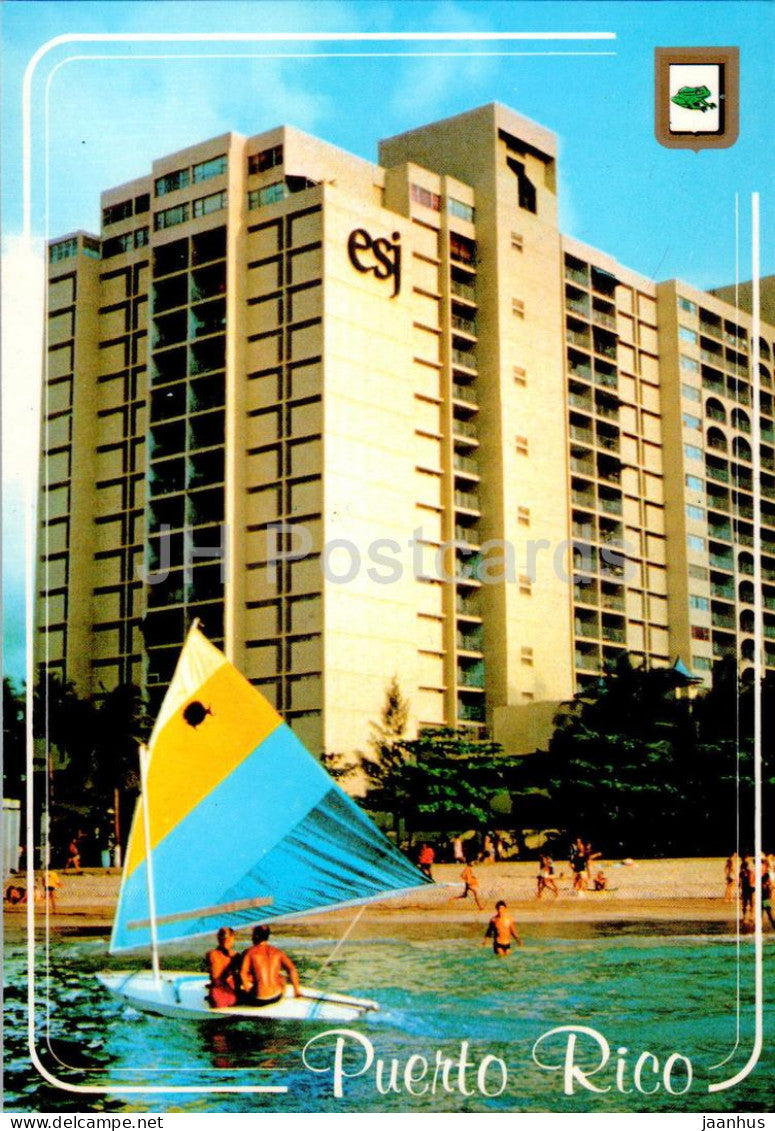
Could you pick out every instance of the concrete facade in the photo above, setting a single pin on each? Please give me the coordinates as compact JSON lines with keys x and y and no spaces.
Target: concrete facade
{"x":374,"y":420}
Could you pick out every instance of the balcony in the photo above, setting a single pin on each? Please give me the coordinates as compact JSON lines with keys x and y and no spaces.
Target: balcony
{"x":605,"y":376}
{"x":723,"y":592}
{"x":466,"y":291}
{"x":466,"y":606}
{"x":466,"y":464}
{"x":725,"y":563}
{"x":465,"y":393}
{"x":584,"y":499}
{"x":722,"y":620}
{"x":608,"y":439}
{"x":609,"y":505}
{"x":469,"y":641}
{"x":588,"y":628}
{"x":580,"y":402}
{"x":578,"y":338}
{"x":710,"y":329}
{"x":587,"y":661}
{"x":614,"y":635}
{"x":576,"y":276}
{"x":614,"y":601}
{"x":462,"y":325}
{"x":467,"y":500}
{"x":712,"y":357}
{"x":721,"y":533}
{"x":468,"y":534}
{"x":582,"y":466}
{"x":471,"y":712}
{"x":464,"y":358}
{"x":579,"y":306}
{"x":583,"y":435}
{"x":465,"y":428}
{"x":603,"y":318}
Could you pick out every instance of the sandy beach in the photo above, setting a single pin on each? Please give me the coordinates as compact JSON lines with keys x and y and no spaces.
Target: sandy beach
{"x":673,"y":891}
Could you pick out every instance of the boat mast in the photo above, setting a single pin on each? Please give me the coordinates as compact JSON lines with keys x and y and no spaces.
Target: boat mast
{"x":144,"y":761}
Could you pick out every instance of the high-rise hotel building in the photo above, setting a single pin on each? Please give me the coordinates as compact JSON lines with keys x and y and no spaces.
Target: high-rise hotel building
{"x":374,"y":420}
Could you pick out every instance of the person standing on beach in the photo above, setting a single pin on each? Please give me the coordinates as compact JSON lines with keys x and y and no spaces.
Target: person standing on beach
{"x":731,"y":869}
{"x":545,"y":879}
{"x":425,"y":860}
{"x":469,"y":878}
{"x":501,"y":930}
{"x":766,"y":890}
{"x":746,"y":889}
{"x":578,"y":861}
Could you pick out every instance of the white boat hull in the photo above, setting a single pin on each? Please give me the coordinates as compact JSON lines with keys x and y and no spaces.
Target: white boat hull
{"x":182,"y":994}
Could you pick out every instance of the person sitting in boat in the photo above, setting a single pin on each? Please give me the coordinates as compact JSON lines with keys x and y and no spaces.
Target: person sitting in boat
{"x":264,"y":970}
{"x":222,"y":964}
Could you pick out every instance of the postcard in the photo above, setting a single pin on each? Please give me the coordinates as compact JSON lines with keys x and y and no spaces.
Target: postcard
{"x":389,"y":491}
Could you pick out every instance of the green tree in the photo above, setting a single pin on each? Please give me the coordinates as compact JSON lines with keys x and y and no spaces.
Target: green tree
{"x":14,"y":740}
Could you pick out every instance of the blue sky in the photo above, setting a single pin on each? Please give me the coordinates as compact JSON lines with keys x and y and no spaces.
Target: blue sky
{"x":662,"y":212}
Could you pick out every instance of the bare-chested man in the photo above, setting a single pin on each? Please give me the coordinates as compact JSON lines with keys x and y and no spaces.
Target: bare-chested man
{"x":262,"y":971}
{"x":501,"y":930}
{"x":222,"y":966}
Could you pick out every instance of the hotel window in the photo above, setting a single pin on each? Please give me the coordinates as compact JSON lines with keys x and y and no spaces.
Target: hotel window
{"x":687,"y":335}
{"x":516,"y":241}
{"x":170,"y":217}
{"x":526,"y":657}
{"x":523,"y":516}
{"x":520,"y":375}
{"x":458,"y":208}
{"x":213,"y":203}
{"x":141,"y":237}
{"x":142,"y":203}
{"x":526,"y":191}
{"x":699,"y":572}
{"x":694,"y":483}
{"x":702,"y":663}
{"x":685,"y":304}
{"x":525,"y":585}
{"x":689,"y":364}
{"x":206,"y":169}
{"x":117,"y":245}
{"x":63,"y":250}
{"x":696,"y":513}
{"x":695,"y":543}
{"x":701,"y":603}
{"x":690,"y":421}
{"x":90,"y":247}
{"x":270,"y":194}
{"x":425,"y":197}
{"x":700,"y":633}
{"x":691,"y":452}
{"x":518,"y":307}
{"x":115,"y":212}
{"x":170,"y":182}
{"x":266,"y":159}
{"x":521,"y":445}
{"x":690,"y":393}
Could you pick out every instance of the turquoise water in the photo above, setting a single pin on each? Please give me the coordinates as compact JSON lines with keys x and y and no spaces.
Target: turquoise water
{"x":636,"y":986}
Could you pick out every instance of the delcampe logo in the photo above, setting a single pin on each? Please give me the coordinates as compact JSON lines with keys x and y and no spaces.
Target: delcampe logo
{"x":696,"y":97}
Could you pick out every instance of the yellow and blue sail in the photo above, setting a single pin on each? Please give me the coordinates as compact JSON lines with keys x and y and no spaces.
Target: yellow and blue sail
{"x":244,"y":823}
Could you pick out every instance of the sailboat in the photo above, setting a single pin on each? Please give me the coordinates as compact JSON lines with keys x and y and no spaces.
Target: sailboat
{"x":237,"y":824}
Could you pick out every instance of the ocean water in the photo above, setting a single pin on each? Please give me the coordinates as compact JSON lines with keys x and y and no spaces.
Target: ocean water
{"x":647,"y":988}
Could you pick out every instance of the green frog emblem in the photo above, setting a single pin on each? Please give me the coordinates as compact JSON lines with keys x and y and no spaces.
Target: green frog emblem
{"x":694,"y":98}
